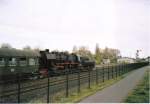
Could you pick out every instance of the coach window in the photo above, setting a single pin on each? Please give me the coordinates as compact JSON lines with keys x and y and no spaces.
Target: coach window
{"x":23,"y":61}
{"x":2,"y":61}
{"x":32,"y":61}
{"x":12,"y":62}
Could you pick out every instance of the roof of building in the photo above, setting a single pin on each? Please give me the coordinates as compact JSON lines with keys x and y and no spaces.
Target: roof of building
{"x":126,"y":58}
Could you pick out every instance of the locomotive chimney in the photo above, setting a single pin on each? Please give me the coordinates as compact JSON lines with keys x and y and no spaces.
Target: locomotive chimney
{"x":47,"y":50}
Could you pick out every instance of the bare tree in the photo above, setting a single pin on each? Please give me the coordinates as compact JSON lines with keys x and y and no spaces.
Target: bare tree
{"x":74,"y":50}
{"x":84,"y":51}
{"x":37,"y":49}
{"x":6,"y":45}
{"x":98,"y":54}
{"x":111,"y":54}
{"x":27,"y":48}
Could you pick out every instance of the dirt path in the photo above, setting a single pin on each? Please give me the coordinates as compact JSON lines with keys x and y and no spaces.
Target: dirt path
{"x":117,"y":92}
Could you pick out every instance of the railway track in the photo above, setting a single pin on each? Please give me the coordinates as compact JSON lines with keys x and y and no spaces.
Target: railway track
{"x":40,"y":81}
{"x":38,"y":84}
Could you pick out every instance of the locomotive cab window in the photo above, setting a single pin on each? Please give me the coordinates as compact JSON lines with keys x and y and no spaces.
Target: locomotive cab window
{"x":2,"y":61}
{"x":23,"y":61}
{"x":32,"y":61}
{"x":12,"y":62}
{"x":72,"y":58}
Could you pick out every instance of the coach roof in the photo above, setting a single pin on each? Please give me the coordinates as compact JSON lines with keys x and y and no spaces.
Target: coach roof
{"x":15,"y":52}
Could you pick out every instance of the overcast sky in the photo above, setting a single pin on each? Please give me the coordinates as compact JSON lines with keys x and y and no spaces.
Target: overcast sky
{"x":61,"y":24}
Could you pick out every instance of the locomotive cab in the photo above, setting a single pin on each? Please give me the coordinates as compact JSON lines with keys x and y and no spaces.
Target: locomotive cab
{"x":51,"y":63}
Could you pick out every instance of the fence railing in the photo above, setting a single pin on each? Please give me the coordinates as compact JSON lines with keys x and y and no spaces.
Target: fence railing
{"x":48,"y":89}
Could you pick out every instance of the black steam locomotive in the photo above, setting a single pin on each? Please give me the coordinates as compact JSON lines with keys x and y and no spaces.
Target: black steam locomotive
{"x":61,"y":62}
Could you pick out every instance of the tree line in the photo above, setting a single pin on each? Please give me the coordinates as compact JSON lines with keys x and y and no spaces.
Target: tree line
{"x":99,"y":55}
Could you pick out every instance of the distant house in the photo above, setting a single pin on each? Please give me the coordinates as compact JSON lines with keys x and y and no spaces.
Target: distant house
{"x":106,"y":61}
{"x":148,"y":59}
{"x":125,"y":60}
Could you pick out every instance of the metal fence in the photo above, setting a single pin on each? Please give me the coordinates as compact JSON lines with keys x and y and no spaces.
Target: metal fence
{"x":50,"y":89}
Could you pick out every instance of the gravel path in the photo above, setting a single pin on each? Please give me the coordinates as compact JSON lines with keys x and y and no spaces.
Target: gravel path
{"x":118,"y":91}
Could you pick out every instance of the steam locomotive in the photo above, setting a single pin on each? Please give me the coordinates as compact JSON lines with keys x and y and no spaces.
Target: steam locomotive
{"x":61,"y":62}
{"x":31,"y":63}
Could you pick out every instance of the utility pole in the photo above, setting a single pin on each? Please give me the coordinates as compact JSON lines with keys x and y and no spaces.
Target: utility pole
{"x":137,"y":54}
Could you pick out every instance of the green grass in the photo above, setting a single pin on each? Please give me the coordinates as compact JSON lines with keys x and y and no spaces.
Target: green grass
{"x":76,"y":97}
{"x":141,"y":93}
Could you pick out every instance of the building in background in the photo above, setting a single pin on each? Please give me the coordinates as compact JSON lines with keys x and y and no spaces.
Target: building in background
{"x":148,"y":59}
{"x":126,"y":60}
{"x":106,"y":61}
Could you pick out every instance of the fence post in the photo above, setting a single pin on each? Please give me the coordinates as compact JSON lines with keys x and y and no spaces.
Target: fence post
{"x":108,"y":71}
{"x":67,"y":82}
{"x":96,"y":76}
{"x":119,"y":69}
{"x":48,"y":88}
{"x":116,"y":68}
{"x":112,"y":71}
{"x":123,"y":68}
{"x":126,"y":68}
{"x":103,"y":74}
{"x":18,"y":87}
{"x":79,"y":81}
{"x":89,"y":78}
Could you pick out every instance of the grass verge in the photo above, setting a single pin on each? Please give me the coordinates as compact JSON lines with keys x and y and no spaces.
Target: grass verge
{"x":141,"y":93}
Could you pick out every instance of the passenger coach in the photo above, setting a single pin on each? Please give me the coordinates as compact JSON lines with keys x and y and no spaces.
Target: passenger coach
{"x":14,"y":61}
